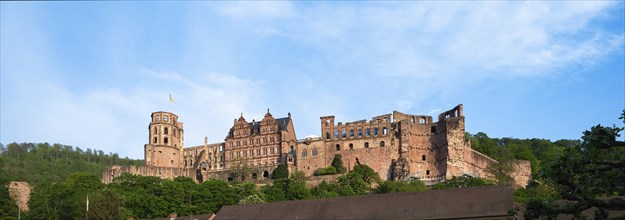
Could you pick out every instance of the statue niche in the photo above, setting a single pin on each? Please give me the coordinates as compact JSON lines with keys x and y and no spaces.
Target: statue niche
{"x":400,"y":169}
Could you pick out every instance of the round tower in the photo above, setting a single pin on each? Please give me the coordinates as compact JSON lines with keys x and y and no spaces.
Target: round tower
{"x":166,"y":140}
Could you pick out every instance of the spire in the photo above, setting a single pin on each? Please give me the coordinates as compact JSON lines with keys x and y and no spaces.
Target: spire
{"x":268,"y":114}
{"x":241,"y":118}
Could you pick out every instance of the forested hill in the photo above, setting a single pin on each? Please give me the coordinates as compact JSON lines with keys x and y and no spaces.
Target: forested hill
{"x":35,"y":162}
{"x":538,"y":151}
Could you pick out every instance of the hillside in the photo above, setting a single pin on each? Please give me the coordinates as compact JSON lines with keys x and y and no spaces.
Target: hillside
{"x":35,"y":162}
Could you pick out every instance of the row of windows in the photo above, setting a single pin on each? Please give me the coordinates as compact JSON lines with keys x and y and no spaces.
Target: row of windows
{"x":166,"y":131}
{"x":351,"y":146}
{"x":252,"y":153}
{"x":165,"y":141}
{"x":165,"y":118}
{"x":305,"y":153}
{"x":258,"y":141}
{"x":358,"y":133}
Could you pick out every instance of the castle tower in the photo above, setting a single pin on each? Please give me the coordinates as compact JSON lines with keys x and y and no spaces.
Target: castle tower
{"x":165,"y":141}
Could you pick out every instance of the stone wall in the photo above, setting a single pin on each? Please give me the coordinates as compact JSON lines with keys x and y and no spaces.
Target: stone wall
{"x":521,"y":173}
{"x":20,"y":193}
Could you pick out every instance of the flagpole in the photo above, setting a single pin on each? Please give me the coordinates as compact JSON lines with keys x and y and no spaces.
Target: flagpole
{"x":87,"y":213}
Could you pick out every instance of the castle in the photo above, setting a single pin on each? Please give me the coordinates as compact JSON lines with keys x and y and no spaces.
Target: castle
{"x":396,"y":145}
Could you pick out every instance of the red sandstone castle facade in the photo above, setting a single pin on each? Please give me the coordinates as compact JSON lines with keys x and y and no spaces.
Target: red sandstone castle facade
{"x":397,"y":146}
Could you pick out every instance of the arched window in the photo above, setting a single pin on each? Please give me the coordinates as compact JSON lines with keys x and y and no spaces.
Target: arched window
{"x":366,"y":144}
{"x":351,"y":146}
{"x":344,"y":134}
{"x":421,"y":120}
{"x":336,"y":134}
{"x":165,"y":140}
{"x":327,"y":135}
{"x":314,"y":151}
{"x":166,"y":131}
{"x":381,"y":143}
{"x":338,"y":147}
{"x":375,"y":131}
{"x":266,"y":174}
{"x":155,"y":140}
{"x":384,"y":131}
{"x":359,"y":132}
{"x":368,"y":132}
{"x":304,"y":153}
{"x":351,"y":133}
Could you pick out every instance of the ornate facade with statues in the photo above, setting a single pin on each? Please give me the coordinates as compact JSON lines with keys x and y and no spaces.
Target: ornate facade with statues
{"x":396,"y":145}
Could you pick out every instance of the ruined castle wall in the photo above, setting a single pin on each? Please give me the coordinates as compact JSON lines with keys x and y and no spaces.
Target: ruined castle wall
{"x":453,"y":123}
{"x":477,"y":163}
{"x":370,"y":142}
{"x":20,"y":193}
{"x":162,"y":172}
{"x":163,"y":156}
{"x":416,"y":140}
{"x":311,"y":156}
{"x":521,"y":173}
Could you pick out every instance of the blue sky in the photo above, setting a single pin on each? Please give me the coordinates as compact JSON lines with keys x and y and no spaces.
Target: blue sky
{"x":89,"y":74}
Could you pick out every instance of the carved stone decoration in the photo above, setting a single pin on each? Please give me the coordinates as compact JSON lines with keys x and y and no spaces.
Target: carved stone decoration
{"x":400,"y":169}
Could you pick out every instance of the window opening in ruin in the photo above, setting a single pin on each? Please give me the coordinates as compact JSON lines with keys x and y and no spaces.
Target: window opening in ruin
{"x":258,"y":152}
{"x":375,"y":131}
{"x":344,"y":133}
{"x":254,"y":176}
{"x":266,"y":174}
{"x":338,"y":147}
{"x":314,"y":151}
{"x":427,"y":172}
{"x":381,"y":143}
{"x":421,"y":120}
{"x":304,"y":153}
{"x":155,"y":140}
{"x":412,"y":120}
{"x":166,"y":118}
{"x":447,"y":116}
{"x":366,"y":144}
{"x":273,"y":150}
{"x":166,"y":131}
{"x":291,"y":150}
{"x":336,"y":134}
{"x":423,"y":157}
{"x":368,"y":132}
{"x":384,"y":131}
{"x":327,"y":135}
{"x":165,"y":140}
{"x":351,"y":133}
{"x":171,"y":162}
{"x":359,"y":132}
{"x":433,"y":129}
{"x":351,"y":146}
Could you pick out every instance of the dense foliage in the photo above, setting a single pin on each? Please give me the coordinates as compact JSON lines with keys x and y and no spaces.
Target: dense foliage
{"x":35,"y":162}
{"x":590,"y":175}
{"x":281,"y":172}
{"x":337,"y":163}
{"x":329,"y":170}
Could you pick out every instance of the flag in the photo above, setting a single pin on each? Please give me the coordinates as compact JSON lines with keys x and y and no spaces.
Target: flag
{"x":170,"y":98}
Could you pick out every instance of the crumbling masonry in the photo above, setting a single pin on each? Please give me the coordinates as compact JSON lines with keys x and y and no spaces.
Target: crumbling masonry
{"x":397,"y":146}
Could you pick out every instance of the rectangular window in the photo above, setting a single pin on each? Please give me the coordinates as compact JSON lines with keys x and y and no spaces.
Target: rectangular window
{"x":423,"y":157}
{"x":427,"y":172}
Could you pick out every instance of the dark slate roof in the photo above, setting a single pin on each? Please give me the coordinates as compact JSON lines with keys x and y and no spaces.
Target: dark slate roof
{"x":255,"y":126}
{"x":491,"y":202}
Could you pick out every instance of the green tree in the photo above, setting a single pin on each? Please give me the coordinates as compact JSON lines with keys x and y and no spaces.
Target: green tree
{"x":8,"y":207}
{"x":462,"y":182}
{"x":292,"y":188}
{"x":281,"y":172}
{"x":105,"y":204}
{"x":325,"y":190}
{"x":588,"y":175}
{"x":329,"y":170}
{"x":337,"y":163}
{"x":368,"y":175}
{"x":401,"y":186}
{"x":352,"y":184}
{"x":212,"y":195}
